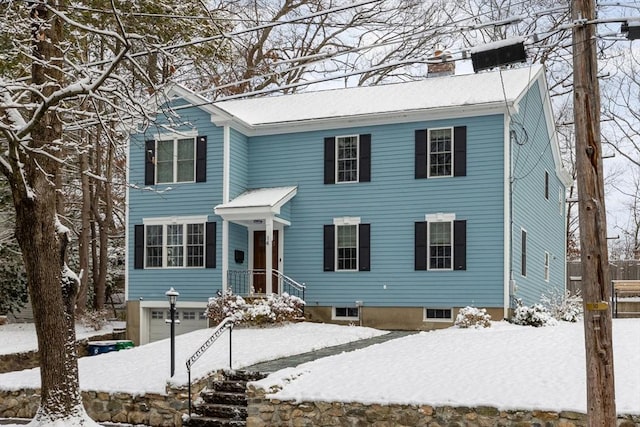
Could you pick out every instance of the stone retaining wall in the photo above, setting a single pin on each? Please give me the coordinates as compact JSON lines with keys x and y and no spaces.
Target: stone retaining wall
{"x":29,"y":359}
{"x":155,"y":410}
{"x":267,"y":412}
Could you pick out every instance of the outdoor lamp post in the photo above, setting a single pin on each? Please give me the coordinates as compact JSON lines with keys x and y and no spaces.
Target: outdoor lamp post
{"x":172,"y":294}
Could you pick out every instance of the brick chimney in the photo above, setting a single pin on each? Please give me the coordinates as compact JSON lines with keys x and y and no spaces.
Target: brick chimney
{"x":440,"y":64}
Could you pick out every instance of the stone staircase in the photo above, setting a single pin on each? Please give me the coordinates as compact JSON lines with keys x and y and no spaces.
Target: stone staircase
{"x":224,"y":403}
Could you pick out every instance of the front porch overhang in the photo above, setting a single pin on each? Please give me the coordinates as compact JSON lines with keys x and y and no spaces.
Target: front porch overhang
{"x":257,"y":204}
{"x":255,"y":209}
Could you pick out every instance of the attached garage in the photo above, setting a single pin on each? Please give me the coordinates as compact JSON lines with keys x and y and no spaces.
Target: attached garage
{"x":189,"y":319}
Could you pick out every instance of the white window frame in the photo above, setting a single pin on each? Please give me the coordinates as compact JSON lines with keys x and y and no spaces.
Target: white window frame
{"x":429,"y":175}
{"x":438,"y":319}
{"x":439,"y":218}
{"x":334,"y":316}
{"x":337,"y":157}
{"x":184,"y":221}
{"x":341,"y":222}
{"x":546,"y":266}
{"x":175,"y":138}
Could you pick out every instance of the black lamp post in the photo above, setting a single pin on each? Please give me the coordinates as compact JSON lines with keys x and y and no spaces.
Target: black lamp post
{"x":172,"y":294}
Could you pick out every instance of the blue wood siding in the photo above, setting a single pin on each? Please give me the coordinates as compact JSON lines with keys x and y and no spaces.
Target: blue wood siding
{"x":238,"y":240}
{"x":392,"y":202}
{"x":543,"y":219}
{"x":178,"y":199}
{"x":239,"y":164}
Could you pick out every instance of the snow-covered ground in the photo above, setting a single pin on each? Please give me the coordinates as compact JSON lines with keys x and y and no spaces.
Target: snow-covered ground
{"x":21,"y":337}
{"x":505,"y":366}
{"x":146,"y":369}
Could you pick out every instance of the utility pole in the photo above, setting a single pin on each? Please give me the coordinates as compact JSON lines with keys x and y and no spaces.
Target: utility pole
{"x":596,"y":286}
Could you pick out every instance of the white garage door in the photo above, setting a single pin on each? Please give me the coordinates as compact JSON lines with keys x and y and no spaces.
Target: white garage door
{"x":190,"y":319}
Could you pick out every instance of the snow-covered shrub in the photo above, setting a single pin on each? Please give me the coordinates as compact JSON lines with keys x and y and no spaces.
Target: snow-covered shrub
{"x":473,"y":317}
{"x":95,"y":319}
{"x":226,"y":305}
{"x":286,"y":307}
{"x":564,"y":305}
{"x":260,"y":311}
{"x":536,"y":315}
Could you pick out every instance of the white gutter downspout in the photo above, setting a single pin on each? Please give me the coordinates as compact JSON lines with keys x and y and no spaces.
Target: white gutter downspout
{"x":226,"y":171}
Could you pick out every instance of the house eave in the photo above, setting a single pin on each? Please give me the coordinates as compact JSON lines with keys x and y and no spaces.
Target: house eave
{"x":384,"y":118}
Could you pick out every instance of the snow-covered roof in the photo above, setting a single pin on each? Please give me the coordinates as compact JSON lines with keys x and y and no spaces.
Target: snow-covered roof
{"x":504,"y":86}
{"x":256,"y":203}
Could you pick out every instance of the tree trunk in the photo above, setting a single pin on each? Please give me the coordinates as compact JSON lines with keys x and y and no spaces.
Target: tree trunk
{"x":83,"y":242}
{"x":51,"y":288}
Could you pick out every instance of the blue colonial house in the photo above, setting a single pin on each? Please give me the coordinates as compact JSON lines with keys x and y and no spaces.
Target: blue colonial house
{"x":391,"y":206}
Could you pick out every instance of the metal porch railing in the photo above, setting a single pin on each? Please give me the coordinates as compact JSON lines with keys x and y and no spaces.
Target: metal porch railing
{"x":227,"y":323}
{"x":240,"y":283}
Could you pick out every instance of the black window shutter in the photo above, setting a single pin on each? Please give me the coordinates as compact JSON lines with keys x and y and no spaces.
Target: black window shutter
{"x":421,"y":245}
{"x":365,"y":158}
{"x":364,"y":250}
{"x":460,"y":245}
{"x":330,"y":160}
{"x":210,"y":245}
{"x":421,"y":153}
{"x":149,"y":162}
{"x":460,"y":151}
{"x":201,"y":159}
{"x":329,"y":248}
{"x":138,"y":244}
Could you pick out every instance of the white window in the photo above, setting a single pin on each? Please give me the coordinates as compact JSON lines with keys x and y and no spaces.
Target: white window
{"x":347,"y":243}
{"x":157,"y":315}
{"x":346,"y":313}
{"x":440,"y":152}
{"x":440,"y":241}
{"x":546,"y":266}
{"x":438,"y":314}
{"x":177,"y":242}
{"x":347,"y":158}
{"x":188,"y":315}
{"x":175,"y":160}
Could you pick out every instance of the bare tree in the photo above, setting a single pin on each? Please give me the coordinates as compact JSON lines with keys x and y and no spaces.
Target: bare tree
{"x":53,"y":87}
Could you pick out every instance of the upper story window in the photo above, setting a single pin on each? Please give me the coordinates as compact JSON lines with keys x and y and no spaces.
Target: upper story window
{"x":441,"y":152}
{"x":177,"y":158}
{"x":347,"y":159}
{"x":347,"y":245}
{"x":441,"y":243}
{"x":440,"y":157}
{"x":183,"y":242}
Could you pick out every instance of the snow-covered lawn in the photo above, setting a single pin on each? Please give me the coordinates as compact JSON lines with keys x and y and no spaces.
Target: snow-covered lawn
{"x":21,"y":337}
{"x":146,"y":369}
{"x":505,"y":366}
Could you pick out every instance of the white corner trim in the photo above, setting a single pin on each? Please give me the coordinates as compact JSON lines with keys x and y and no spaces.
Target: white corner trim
{"x":440,"y":217}
{"x":347,"y":220}
{"x":226,"y":164}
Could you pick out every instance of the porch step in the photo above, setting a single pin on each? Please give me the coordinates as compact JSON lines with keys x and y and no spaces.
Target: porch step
{"x":225,"y":403}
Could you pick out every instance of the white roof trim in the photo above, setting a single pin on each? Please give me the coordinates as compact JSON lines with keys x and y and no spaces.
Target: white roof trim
{"x":256,"y":203}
